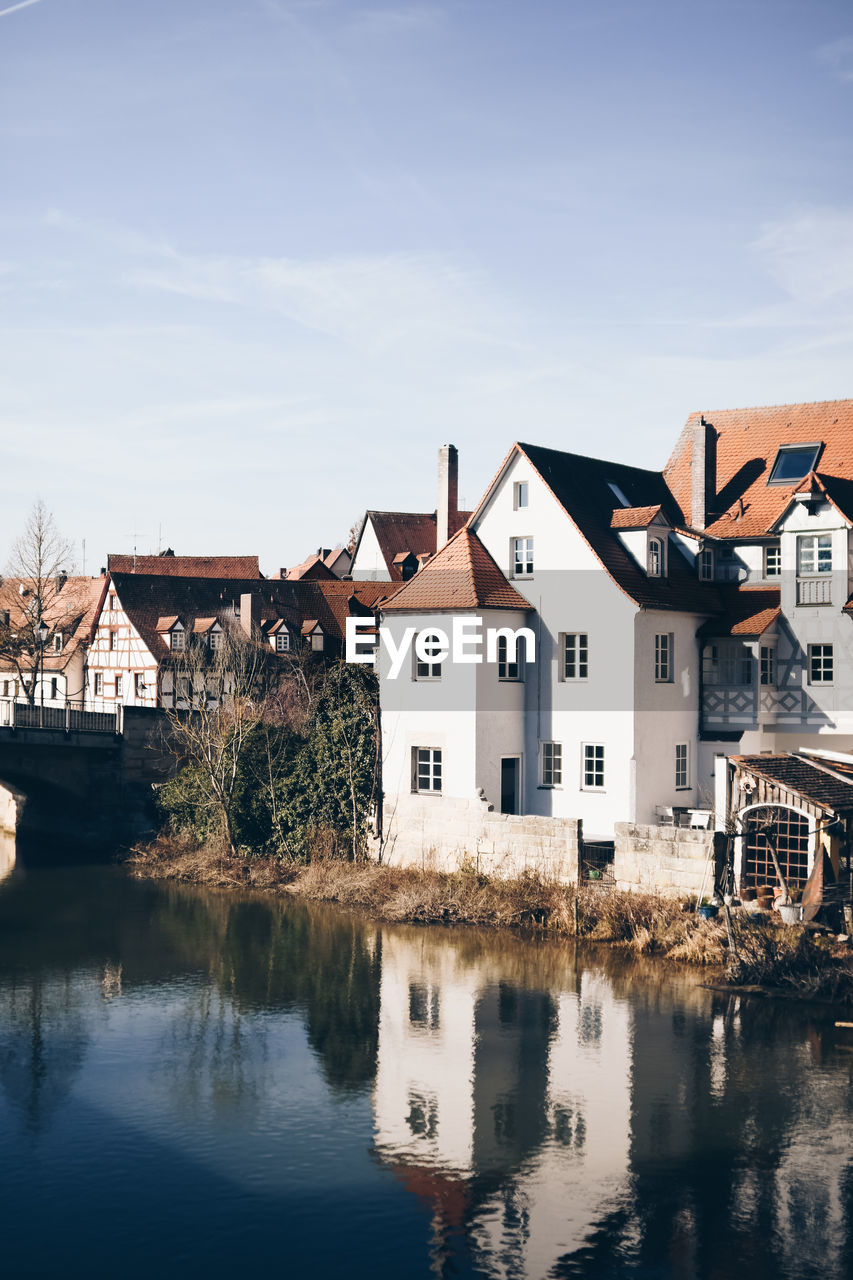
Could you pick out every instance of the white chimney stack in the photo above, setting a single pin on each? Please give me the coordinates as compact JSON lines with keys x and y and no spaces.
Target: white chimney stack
{"x":448,"y":494}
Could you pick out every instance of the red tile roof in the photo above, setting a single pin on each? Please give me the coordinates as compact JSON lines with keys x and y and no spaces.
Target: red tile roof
{"x":744,"y":505}
{"x":634,"y":517}
{"x":399,"y":532}
{"x":313,"y":569}
{"x":462,"y":575}
{"x":172,"y":566}
{"x":69,"y":611}
{"x":747,"y":611}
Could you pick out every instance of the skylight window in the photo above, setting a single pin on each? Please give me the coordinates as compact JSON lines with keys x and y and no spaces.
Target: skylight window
{"x":793,"y":462}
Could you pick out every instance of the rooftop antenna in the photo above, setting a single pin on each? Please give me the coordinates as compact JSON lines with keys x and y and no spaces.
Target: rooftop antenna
{"x":134,"y":535}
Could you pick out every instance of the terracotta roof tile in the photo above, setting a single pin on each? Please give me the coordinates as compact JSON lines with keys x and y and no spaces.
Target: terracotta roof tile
{"x":70,"y":610}
{"x":399,"y":532}
{"x":462,"y":575}
{"x":172,"y":566}
{"x":747,"y":611}
{"x":744,"y":505}
{"x":634,"y":517}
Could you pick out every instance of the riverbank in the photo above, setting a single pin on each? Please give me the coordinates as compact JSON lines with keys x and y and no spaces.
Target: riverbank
{"x":757,"y":951}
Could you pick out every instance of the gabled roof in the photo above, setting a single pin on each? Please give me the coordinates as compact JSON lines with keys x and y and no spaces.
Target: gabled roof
{"x":748,"y":440}
{"x":171,"y":566}
{"x":803,"y":776}
{"x":314,"y":568}
{"x":747,"y":612}
{"x":582,"y":487}
{"x":400,"y":532}
{"x":836,"y":491}
{"x":634,"y":517}
{"x":462,"y":575}
{"x":69,"y":611}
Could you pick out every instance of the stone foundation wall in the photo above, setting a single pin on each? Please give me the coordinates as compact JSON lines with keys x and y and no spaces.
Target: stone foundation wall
{"x":442,"y":833}
{"x":670,"y":860}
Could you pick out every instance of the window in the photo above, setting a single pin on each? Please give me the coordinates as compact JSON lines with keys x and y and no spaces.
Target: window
{"x":793,"y":462}
{"x":282,"y":642}
{"x":509,"y":670}
{"x":317,"y":642}
{"x":727,"y":663}
{"x":656,"y":564}
{"x":426,"y":769}
{"x":112,"y":603}
{"x":663,"y":657}
{"x":119,"y":685}
{"x":178,"y":640}
{"x":814,"y":554}
{"x":57,"y":642}
{"x":682,"y":766}
{"x":767,"y":665}
{"x":706,"y":564}
{"x":215,"y":640}
{"x":820,"y":664}
{"x":112,"y":641}
{"x":139,"y":684}
{"x":773,"y":560}
{"x":428,"y":668}
{"x":99,"y":684}
{"x":551,"y":764}
{"x":575,"y":655}
{"x":522,"y":554}
{"x":54,"y":686}
{"x":522,"y":495}
{"x":593,"y":766}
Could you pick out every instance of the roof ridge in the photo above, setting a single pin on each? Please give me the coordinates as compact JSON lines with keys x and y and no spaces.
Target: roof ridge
{"x":761,"y":408}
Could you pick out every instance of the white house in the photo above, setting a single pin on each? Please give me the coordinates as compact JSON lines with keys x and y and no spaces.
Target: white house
{"x":679,"y":617}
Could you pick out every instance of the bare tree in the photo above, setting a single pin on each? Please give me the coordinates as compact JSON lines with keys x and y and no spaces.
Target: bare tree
{"x":35,"y":603}
{"x":220,"y":698}
{"x":354,"y":534}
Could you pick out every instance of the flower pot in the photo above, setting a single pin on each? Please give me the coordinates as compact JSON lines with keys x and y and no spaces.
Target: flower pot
{"x":791,"y":912}
{"x":708,"y":910}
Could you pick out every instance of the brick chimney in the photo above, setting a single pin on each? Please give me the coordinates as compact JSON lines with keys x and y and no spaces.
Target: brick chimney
{"x":250,"y":613}
{"x":446,"y":517}
{"x":703,"y":472}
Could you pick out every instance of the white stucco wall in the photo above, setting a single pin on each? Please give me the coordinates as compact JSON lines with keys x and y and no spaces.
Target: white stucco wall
{"x":369,"y":563}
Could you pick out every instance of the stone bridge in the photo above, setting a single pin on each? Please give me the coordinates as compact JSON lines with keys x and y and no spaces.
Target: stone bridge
{"x":82,"y":784}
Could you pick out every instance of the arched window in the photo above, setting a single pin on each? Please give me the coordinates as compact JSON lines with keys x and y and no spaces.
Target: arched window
{"x":656,"y":565}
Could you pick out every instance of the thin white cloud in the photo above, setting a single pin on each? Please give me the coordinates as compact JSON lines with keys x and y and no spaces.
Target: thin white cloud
{"x":838,"y":55}
{"x":810,"y":255}
{"x":24,"y":4}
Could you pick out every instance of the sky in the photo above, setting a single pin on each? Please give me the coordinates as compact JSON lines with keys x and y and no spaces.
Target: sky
{"x":259,"y":259}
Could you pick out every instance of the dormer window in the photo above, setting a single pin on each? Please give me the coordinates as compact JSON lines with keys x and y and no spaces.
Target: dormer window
{"x":178,"y":640}
{"x":282,"y":641}
{"x":706,"y":564}
{"x":794,"y":462}
{"x":656,"y":561}
{"x":215,"y":639}
{"x":58,"y":642}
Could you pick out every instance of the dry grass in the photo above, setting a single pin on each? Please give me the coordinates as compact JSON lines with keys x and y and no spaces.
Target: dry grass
{"x":644,"y":924}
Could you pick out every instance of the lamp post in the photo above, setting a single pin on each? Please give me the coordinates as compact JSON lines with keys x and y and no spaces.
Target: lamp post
{"x":42,"y":632}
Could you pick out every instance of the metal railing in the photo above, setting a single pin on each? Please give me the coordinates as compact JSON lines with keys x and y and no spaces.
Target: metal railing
{"x":16,"y":713}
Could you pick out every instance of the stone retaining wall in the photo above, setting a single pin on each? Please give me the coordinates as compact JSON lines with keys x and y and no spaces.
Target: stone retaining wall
{"x":443,"y":833}
{"x":671,"y":860}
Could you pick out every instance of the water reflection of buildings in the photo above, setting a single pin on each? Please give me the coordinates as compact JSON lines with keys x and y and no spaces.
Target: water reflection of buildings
{"x":505,"y":1107}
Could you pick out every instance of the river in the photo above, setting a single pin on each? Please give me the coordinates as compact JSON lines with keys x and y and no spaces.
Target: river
{"x":194,"y":1083}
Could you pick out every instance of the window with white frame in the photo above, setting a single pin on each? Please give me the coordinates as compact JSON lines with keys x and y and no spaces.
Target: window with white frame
{"x":728,"y":662}
{"x":773,"y":560}
{"x":429,"y":666}
{"x":317,"y":640}
{"x":426,"y":769}
{"x":706,"y":564}
{"x":521,"y":495}
{"x":282,"y":641}
{"x":178,"y":640}
{"x":215,"y":640}
{"x":58,"y":642}
{"x":575,"y":655}
{"x":119,"y":684}
{"x":139,"y":684}
{"x":551,"y":764}
{"x":814,"y":554}
{"x":682,"y":766}
{"x":820,"y":664}
{"x":663,"y":657}
{"x":767,"y":665}
{"x":592,"y":775}
{"x":522,"y":557}
{"x":656,"y":566}
{"x":99,"y":684}
{"x":510,"y":670}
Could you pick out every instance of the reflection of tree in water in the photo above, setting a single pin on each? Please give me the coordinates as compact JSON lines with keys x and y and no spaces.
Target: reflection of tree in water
{"x":267,"y":955}
{"x":43,"y":1041}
